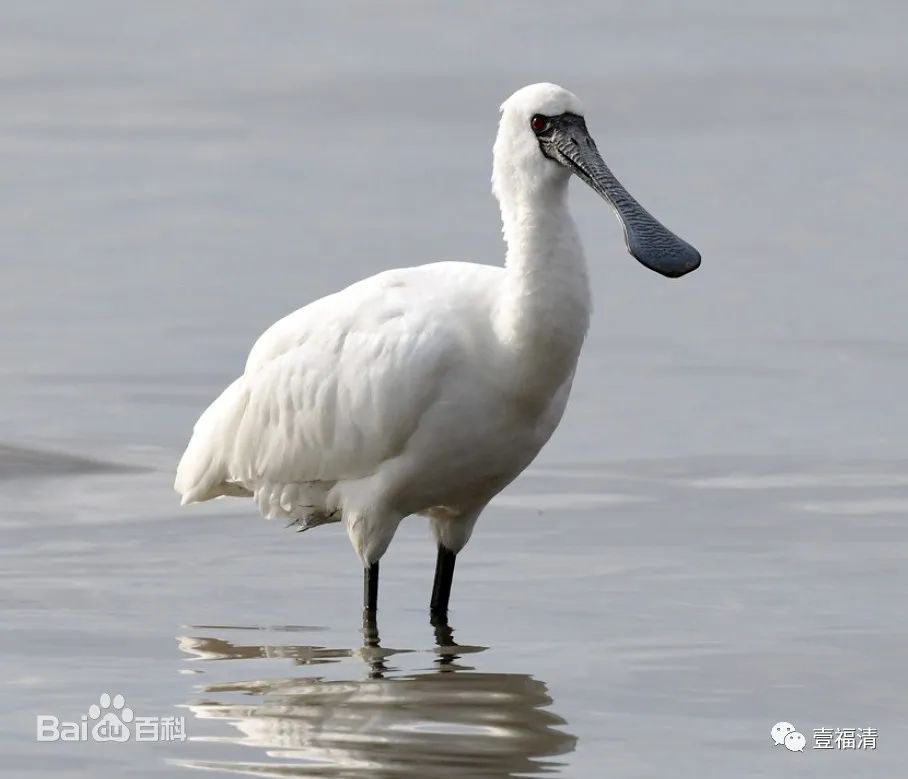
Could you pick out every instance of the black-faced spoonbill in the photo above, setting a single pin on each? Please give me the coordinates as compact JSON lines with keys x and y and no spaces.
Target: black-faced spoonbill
{"x":427,"y":390}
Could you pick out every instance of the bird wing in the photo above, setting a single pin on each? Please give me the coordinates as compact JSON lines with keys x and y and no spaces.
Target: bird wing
{"x":338,"y":387}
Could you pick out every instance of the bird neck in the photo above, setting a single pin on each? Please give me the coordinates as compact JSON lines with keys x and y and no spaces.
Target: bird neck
{"x":544,"y":310}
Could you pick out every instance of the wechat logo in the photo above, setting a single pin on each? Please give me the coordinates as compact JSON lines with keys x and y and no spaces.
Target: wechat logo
{"x":784,"y":734}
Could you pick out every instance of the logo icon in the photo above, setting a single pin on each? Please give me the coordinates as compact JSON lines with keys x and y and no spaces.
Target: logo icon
{"x":785,"y":734}
{"x":113,"y":725}
{"x":779,"y":731}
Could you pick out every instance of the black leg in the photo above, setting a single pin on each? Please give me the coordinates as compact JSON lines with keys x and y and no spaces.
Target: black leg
{"x":444,"y":639}
{"x":372,"y":651}
{"x":444,"y":633}
{"x":370,"y":589}
{"x":444,"y":575}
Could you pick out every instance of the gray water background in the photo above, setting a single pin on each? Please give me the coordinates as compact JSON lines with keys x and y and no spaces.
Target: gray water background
{"x":714,"y":539}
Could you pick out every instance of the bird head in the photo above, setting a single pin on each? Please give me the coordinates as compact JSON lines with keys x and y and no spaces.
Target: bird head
{"x":542,"y":140}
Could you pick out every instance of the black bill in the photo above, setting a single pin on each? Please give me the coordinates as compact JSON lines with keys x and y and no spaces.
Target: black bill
{"x":565,"y":139}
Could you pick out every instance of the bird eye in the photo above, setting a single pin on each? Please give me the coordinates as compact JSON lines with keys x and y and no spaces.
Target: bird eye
{"x":539,"y":123}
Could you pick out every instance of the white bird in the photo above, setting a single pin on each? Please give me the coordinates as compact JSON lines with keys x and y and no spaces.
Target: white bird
{"x":427,"y":390}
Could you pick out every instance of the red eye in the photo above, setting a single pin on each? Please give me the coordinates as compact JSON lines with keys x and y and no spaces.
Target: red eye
{"x":539,"y":123}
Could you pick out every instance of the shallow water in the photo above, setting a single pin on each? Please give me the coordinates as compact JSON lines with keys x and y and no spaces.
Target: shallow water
{"x":713,"y":541}
{"x":656,"y":625}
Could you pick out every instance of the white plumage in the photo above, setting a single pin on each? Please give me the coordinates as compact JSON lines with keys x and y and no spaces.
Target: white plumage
{"x":421,"y":390}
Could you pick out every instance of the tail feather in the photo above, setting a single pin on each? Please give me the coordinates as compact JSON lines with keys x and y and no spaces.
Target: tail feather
{"x":203,"y":472}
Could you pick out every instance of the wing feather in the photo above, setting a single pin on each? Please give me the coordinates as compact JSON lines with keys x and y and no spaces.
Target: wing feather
{"x":335,"y":389}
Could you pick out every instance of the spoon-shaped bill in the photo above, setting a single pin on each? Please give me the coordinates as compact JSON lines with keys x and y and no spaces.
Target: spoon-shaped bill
{"x":647,"y":239}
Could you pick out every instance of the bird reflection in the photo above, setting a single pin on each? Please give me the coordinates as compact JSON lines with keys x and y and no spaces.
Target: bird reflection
{"x":447,"y":720}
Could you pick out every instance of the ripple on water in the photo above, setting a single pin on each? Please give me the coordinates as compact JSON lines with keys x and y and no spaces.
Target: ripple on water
{"x":370,"y":719}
